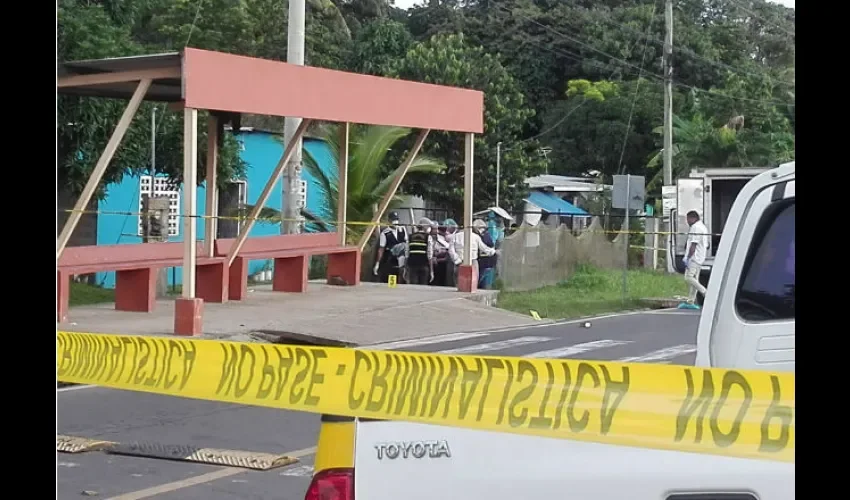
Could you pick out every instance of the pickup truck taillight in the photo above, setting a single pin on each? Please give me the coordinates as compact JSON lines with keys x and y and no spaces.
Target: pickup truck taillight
{"x":332,"y":484}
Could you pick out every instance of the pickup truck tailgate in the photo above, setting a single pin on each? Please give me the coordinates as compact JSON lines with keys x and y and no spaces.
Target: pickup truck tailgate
{"x":396,"y":460}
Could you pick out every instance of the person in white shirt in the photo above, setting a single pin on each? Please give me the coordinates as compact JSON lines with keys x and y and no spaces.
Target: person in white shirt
{"x":456,"y":250}
{"x":695,"y":252}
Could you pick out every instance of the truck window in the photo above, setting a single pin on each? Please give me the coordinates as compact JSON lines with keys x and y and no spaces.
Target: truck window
{"x":766,"y":290}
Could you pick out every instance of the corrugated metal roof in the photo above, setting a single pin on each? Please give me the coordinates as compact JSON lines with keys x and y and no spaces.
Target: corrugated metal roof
{"x":563,"y":183}
{"x":162,"y":89}
{"x":554,"y":205}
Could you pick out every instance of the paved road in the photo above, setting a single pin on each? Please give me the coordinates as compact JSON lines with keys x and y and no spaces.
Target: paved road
{"x":657,"y":337}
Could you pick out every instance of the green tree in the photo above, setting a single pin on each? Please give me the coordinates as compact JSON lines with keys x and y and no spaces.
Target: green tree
{"x":698,"y":143}
{"x":90,"y":30}
{"x":604,"y":126}
{"x":368,"y":183}
{"x":378,"y":47}
{"x":448,"y":60}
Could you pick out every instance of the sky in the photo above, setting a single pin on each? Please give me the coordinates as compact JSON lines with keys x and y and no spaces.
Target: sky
{"x":406,"y":4}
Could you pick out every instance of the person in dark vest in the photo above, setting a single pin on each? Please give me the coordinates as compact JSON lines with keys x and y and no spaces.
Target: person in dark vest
{"x":419,"y":256}
{"x":391,"y":243}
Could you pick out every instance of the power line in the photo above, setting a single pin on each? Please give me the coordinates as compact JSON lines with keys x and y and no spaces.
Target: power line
{"x":765,"y":21}
{"x":626,"y":63}
{"x":582,"y":103}
{"x":719,"y":64}
{"x":637,"y":90}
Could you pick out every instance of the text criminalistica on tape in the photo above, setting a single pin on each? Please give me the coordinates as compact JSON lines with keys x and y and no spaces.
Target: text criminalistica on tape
{"x":749,"y":414}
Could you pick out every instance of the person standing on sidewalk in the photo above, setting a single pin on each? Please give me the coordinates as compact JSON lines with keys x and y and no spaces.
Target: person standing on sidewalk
{"x":441,"y":256}
{"x":450,"y":235}
{"x":695,"y":251}
{"x":486,"y":261}
{"x":477,"y":247}
{"x":391,"y":241}
{"x":419,"y":255}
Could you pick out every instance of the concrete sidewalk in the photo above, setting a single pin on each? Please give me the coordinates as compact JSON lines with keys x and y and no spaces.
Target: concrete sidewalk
{"x":366,"y":314}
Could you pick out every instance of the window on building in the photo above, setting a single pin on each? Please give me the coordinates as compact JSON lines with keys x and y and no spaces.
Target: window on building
{"x":161,"y":188}
{"x":766,"y":290}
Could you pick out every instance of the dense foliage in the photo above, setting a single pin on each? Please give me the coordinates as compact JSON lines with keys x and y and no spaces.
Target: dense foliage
{"x":572,"y":86}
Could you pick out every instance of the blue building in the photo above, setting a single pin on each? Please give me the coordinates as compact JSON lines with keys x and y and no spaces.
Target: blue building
{"x":261,"y":150}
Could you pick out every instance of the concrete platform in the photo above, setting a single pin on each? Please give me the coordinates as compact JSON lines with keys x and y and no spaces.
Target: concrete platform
{"x":366,"y":314}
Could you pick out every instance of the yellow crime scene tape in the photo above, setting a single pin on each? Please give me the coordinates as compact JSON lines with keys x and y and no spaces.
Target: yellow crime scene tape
{"x":734,"y":413}
{"x":276,"y":220}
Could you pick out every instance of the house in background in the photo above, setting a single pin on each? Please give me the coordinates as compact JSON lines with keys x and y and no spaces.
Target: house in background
{"x":556,"y":199}
{"x":260,"y":149}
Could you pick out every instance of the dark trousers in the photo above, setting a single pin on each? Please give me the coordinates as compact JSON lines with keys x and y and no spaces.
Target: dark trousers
{"x":386,"y":269}
{"x":420,"y":275}
{"x":440,"y":269}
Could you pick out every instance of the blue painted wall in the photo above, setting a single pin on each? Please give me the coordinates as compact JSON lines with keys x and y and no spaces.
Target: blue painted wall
{"x":261,"y":151}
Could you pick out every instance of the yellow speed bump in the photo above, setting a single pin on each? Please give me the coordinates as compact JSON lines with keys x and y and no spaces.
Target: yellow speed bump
{"x":214,"y":456}
{"x":73,"y":444}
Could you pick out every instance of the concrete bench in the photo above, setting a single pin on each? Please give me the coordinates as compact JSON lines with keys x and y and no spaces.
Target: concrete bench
{"x":135,"y":267}
{"x":290,"y":253}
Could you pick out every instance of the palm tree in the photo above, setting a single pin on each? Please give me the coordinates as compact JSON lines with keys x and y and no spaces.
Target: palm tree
{"x":698,"y":143}
{"x":367,"y":182}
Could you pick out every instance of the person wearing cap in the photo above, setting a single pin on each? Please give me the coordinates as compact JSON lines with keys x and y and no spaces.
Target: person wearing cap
{"x":391,"y":242}
{"x":486,"y":262}
{"x":477,"y":247}
{"x":419,"y":254}
{"x":450,"y":235}
{"x":441,"y":254}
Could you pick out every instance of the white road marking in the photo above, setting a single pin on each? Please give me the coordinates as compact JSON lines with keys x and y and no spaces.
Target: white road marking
{"x":436,"y":339}
{"x":201,"y":479}
{"x":563,"y":352}
{"x":662,"y":354}
{"x":74,"y":388}
{"x":495,"y":346}
{"x":298,"y":471}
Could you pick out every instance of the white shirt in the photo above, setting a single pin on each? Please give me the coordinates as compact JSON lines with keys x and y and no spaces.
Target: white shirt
{"x":476,"y":245}
{"x":698,"y":234}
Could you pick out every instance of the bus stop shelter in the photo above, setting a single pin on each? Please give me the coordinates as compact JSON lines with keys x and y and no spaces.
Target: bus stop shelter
{"x":195,"y":79}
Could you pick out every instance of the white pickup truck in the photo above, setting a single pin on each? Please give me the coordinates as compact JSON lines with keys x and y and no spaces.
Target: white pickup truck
{"x":747,"y":322}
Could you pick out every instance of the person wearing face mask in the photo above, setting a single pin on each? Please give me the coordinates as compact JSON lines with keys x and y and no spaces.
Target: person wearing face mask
{"x":441,"y":254}
{"x":451,"y":268}
{"x":391,"y":243}
{"x":486,"y":260}
{"x":477,"y":247}
{"x":419,"y":255}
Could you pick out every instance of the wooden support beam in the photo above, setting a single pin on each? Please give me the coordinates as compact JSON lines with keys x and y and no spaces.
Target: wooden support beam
{"x":342,"y":182}
{"x":211,"y":209}
{"x":117,"y":77}
{"x":264,"y":196}
{"x":388,"y":197}
{"x":102,"y":163}
{"x":190,"y":198}
{"x":468,"y":155}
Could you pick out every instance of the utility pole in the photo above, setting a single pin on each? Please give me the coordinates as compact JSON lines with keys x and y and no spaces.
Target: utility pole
{"x":667,"y":154}
{"x":162,"y":273}
{"x":498,"y":169}
{"x":291,"y":213}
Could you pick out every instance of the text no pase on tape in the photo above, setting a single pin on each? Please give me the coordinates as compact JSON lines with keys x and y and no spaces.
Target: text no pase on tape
{"x":735,"y":413}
